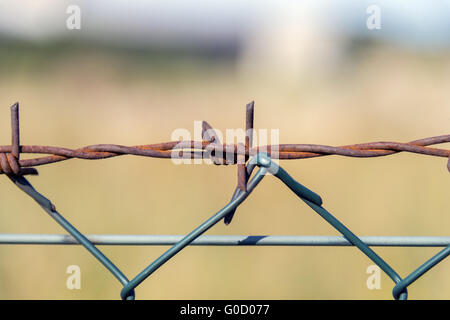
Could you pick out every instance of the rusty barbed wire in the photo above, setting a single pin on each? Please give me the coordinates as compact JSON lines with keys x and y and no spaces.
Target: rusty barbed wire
{"x":220,"y":154}
{"x":208,"y":148}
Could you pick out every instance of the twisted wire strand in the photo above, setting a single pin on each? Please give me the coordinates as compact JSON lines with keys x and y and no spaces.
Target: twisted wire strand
{"x":198,"y":150}
{"x":209,"y":148}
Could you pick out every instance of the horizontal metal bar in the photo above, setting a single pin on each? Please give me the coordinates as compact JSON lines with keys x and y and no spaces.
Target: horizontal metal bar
{"x":226,"y":240}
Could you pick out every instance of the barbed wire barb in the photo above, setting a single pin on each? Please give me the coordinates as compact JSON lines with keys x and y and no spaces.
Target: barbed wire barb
{"x":247,"y":157}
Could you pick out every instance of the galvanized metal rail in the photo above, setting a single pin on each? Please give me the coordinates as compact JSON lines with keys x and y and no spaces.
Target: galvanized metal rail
{"x":247,"y":158}
{"x":224,"y":240}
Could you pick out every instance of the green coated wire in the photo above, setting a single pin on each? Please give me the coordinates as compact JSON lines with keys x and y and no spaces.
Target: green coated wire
{"x":315,"y":202}
{"x":399,"y":287}
{"x":266,"y":166}
{"x":46,"y":204}
{"x":205,"y":226}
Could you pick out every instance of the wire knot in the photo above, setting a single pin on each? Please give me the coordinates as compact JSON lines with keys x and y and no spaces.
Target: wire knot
{"x":9,"y":164}
{"x":9,"y":161}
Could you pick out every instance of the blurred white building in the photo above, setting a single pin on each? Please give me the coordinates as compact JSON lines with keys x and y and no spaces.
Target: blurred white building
{"x":292,"y":40}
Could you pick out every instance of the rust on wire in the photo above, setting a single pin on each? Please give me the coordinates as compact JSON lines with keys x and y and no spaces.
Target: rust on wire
{"x":9,"y":160}
{"x":210,"y":147}
{"x":242,"y":175}
{"x":15,"y":143}
{"x":242,"y":159}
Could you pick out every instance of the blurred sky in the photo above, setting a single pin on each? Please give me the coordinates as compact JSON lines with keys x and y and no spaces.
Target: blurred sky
{"x":287,"y":39}
{"x":418,"y":23}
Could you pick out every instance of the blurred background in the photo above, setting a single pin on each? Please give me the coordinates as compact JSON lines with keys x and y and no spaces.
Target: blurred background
{"x":137,"y":70}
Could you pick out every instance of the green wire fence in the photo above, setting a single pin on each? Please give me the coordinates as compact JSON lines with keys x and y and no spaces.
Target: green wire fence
{"x":14,"y":169}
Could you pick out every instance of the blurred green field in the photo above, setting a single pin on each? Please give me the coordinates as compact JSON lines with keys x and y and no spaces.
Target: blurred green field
{"x":81,"y":98}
